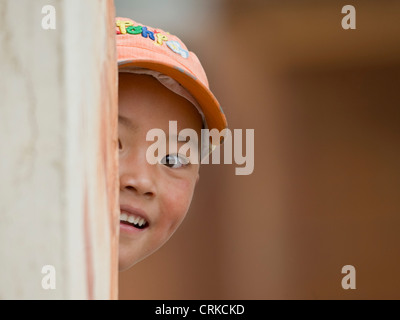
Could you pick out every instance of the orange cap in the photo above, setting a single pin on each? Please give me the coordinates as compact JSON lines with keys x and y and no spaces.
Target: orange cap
{"x":146,"y":47}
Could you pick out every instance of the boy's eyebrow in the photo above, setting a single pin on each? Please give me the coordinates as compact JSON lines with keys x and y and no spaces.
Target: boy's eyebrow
{"x":181,"y":139}
{"x":126,"y":122}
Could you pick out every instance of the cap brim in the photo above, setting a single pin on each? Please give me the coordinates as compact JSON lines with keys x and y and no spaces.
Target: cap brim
{"x":213,"y":113}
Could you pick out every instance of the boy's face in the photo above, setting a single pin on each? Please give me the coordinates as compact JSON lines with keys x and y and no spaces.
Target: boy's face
{"x":156,"y":196}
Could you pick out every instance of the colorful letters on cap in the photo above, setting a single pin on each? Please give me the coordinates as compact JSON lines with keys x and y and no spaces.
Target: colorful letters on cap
{"x":176,"y":47}
{"x":127,"y":27}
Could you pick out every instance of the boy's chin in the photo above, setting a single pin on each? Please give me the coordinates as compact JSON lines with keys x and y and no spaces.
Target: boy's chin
{"x":122,"y":268}
{"x":126,"y":264}
{"x":127,"y":258}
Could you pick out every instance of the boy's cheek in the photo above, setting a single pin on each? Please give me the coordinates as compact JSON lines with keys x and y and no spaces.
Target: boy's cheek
{"x":177,"y":204}
{"x":176,"y":200}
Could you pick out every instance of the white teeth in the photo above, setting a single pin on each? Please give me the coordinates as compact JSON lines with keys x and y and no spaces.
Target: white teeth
{"x":132,"y":219}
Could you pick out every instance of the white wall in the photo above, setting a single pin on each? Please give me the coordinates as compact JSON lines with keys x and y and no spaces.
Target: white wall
{"x":58,"y":155}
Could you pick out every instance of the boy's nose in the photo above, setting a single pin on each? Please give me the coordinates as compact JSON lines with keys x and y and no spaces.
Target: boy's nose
{"x":137,"y":178}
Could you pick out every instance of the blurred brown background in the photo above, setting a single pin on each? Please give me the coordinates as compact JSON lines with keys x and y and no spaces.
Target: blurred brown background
{"x":325,"y":192}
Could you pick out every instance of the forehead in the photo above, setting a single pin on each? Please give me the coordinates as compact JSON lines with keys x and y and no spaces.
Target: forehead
{"x":142,"y":98}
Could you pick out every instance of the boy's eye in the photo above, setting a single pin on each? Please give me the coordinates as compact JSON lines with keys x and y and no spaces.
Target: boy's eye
{"x":175,"y":161}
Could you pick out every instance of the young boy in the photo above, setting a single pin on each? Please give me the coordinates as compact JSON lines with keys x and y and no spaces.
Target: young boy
{"x":159,"y":81}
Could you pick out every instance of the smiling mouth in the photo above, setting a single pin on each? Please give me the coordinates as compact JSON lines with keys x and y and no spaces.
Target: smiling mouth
{"x":133,"y":220}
